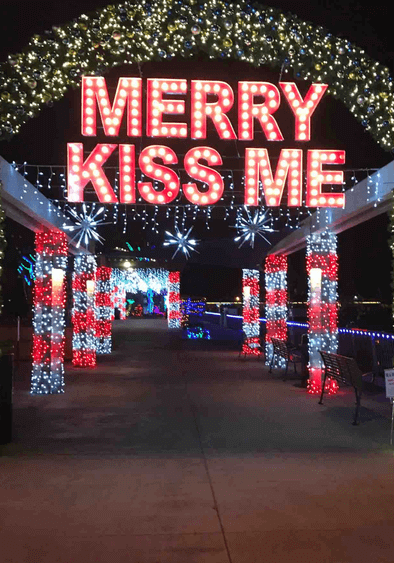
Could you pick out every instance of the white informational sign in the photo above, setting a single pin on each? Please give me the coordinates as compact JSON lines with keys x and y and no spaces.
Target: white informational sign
{"x":389,"y":378}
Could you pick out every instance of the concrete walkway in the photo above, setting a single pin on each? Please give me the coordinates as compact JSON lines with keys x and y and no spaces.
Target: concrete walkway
{"x":176,"y":452}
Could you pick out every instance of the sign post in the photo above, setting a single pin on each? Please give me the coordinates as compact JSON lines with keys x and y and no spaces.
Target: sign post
{"x":389,"y":380}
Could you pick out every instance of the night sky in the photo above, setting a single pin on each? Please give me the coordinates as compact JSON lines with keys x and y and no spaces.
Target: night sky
{"x":362,"y":250}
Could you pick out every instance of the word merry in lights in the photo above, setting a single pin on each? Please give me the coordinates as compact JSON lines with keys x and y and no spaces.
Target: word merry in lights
{"x":257,"y":161}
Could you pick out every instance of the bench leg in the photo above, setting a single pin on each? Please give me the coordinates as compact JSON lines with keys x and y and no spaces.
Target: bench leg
{"x":358,"y":397}
{"x":272,"y":362}
{"x":322,"y":389}
{"x":287,"y":367}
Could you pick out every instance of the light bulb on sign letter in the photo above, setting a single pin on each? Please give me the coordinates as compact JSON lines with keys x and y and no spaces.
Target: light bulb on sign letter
{"x":157,"y":106}
{"x":158,"y":172}
{"x":316,"y":177}
{"x":258,"y":167}
{"x":201,"y":108}
{"x":248,"y":110}
{"x":129,"y":90}
{"x":89,"y":171}
{"x":207,"y":175}
{"x":303,"y":108}
{"x":127,"y":173}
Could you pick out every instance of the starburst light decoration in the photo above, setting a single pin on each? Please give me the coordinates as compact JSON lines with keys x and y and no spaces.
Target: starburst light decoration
{"x":250,"y":226}
{"x":182,"y":241}
{"x":85,"y":227}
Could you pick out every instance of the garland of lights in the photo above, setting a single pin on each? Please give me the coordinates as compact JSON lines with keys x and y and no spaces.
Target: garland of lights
{"x":49,"y":302}
{"x":83,"y":314}
{"x":276,"y":304}
{"x":104,"y":310}
{"x":322,"y":270}
{"x":174,"y":310}
{"x":158,"y":30}
{"x":251,"y":312}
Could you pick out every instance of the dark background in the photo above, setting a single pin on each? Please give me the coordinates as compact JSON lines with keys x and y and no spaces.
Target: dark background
{"x":365,"y":259}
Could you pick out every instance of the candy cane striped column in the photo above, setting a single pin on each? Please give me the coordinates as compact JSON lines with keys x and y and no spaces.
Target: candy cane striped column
{"x":275,"y":304}
{"x":49,"y":313}
{"x":83,"y":315}
{"x":120,"y":301}
{"x":174,"y":300}
{"x":104,"y":310}
{"x":322,"y":269}
{"x":251,"y":311}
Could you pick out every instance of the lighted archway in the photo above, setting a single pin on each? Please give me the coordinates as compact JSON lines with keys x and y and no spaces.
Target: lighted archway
{"x":162,"y":29}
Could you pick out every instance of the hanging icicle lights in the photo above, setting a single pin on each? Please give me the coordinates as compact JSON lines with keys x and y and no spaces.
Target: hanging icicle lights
{"x":251,"y":311}
{"x":83,"y":314}
{"x":276,"y":304}
{"x":322,"y":269}
{"x":128,"y":98}
{"x":49,"y":300}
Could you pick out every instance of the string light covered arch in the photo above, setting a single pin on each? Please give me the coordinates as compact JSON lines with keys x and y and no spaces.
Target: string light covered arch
{"x":163,"y":29}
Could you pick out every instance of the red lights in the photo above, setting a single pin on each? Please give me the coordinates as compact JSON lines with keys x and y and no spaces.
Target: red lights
{"x":316,"y":176}
{"x":127,"y":173}
{"x":201,"y":109}
{"x":128,"y":92}
{"x":81,"y":172}
{"x":157,"y":106}
{"x":158,"y":172}
{"x":258,"y":166}
{"x":205,"y":174}
{"x":303,"y":108}
{"x":248,"y":110}
{"x":211,"y":99}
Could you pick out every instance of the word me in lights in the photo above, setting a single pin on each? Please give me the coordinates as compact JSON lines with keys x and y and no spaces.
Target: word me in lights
{"x":257,"y":161}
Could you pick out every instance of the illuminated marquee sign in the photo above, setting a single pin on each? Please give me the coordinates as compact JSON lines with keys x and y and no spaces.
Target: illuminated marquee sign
{"x":201,"y":163}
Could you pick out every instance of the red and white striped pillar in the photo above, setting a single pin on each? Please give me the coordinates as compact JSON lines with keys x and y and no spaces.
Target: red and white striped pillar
{"x":251,"y":311}
{"x":83,"y":315}
{"x":275,"y":304}
{"x":322,"y":269}
{"x":120,"y":301}
{"x":104,"y":310}
{"x":174,"y":300}
{"x":49,"y":322}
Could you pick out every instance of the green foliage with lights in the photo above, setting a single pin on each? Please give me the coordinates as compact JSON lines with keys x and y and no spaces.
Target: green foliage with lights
{"x":163,"y":29}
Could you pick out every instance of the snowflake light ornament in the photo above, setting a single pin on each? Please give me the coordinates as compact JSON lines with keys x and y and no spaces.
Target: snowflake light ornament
{"x":250,"y":226}
{"x":85,"y":227}
{"x":182,"y":241}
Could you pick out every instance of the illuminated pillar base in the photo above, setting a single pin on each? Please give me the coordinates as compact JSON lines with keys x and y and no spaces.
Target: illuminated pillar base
{"x":251,"y":312}
{"x":174,"y":300}
{"x":322,"y":269}
{"x":47,"y":377}
{"x":276,"y":305}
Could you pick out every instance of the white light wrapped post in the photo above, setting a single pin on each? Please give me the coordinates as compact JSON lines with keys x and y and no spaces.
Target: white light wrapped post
{"x":276,"y":305}
{"x":174,"y":300}
{"x":83,"y":316}
{"x":251,"y":311}
{"x":322,"y":269}
{"x":49,"y":313}
{"x":104,"y":310}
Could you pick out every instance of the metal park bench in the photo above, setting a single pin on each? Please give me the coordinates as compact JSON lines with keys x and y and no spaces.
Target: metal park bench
{"x":344,"y":370}
{"x":284,"y":350}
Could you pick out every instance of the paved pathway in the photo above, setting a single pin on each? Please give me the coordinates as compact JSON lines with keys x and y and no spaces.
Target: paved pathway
{"x":175,"y":452}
